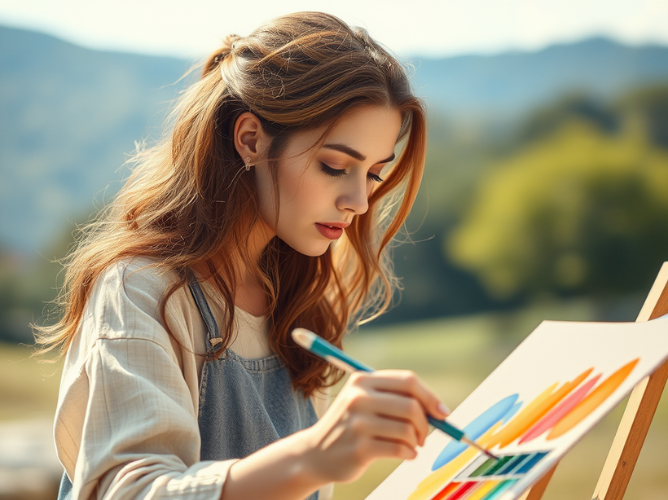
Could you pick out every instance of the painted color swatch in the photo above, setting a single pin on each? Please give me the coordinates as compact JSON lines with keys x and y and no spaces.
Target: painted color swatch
{"x":500,"y":488}
{"x":485,"y":479}
{"x":482,"y":491}
{"x":462,"y":491}
{"x":449,"y":488}
{"x":484,"y":467}
{"x":528,"y":465}
{"x":519,"y":460}
{"x":507,"y":467}
{"x":499,"y":463}
{"x":511,"y":464}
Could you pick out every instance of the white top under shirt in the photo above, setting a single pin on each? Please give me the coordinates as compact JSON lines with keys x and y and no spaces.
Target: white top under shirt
{"x":126,"y":421}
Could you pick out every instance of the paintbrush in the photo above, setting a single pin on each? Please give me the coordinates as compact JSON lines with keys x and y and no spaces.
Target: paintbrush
{"x":320,"y":347}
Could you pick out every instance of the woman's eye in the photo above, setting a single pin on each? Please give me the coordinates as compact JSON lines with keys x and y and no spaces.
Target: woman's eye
{"x":333,"y":172}
{"x":338,"y":172}
{"x":374,"y":177}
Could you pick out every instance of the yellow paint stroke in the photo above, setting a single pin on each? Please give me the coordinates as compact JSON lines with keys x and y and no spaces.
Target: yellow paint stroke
{"x":592,"y":401}
{"x":509,"y":430}
{"x":438,"y":479}
{"x":536,"y":410}
{"x":482,"y":491}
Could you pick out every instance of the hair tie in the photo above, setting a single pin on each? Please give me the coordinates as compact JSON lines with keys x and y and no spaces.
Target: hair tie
{"x":229,"y":44}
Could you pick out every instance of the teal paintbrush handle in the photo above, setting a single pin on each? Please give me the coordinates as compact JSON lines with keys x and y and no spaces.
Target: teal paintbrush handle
{"x":449,"y":429}
{"x":323,"y":349}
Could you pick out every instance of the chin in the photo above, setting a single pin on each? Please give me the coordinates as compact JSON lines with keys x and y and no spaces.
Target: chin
{"x":315,"y":249}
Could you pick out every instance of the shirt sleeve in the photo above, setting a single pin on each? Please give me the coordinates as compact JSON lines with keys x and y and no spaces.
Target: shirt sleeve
{"x":321,"y":400}
{"x":126,"y":426}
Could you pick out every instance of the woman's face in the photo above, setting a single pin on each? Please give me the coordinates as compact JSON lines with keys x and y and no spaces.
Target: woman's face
{"x":322,"y":189}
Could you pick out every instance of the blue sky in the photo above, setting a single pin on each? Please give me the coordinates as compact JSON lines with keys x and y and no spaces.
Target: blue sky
{"x":192,"y":28}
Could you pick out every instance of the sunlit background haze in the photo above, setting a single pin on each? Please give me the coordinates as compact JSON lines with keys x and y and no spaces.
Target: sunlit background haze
{"x":545,"y":193}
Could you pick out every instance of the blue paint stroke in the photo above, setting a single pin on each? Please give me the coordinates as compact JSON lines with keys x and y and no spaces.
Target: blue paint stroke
{"x":499,"y":412}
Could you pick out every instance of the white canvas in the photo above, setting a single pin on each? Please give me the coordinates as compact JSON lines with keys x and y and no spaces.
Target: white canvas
{"x":570,"y":374}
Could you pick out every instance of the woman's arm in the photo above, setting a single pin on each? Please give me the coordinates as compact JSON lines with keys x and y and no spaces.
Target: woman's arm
{"x":376,"y":415}
{"x":126,"y":423}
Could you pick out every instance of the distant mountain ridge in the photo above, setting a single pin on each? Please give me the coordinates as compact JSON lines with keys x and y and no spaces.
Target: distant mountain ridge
{"x":68,"y":118}
{"x":69,"y":115}
{"x":514,"y":82}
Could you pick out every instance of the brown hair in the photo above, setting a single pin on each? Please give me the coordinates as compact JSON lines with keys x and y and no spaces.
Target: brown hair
{"x":297,"y":72}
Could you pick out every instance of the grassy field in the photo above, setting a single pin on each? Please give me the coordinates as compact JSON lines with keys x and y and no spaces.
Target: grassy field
{"x":28,"y":389}
{"x":453,"y":356}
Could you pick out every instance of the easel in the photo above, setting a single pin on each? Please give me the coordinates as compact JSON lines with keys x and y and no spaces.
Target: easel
{"x":637,"y":417}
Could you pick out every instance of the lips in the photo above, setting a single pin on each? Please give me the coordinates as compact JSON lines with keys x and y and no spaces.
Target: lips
{"x":331,"y":230}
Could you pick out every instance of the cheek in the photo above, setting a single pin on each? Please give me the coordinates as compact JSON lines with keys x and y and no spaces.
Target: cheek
{"x":267,"y":197}
{"x":370,"y":186}
{"x":300,"y":193}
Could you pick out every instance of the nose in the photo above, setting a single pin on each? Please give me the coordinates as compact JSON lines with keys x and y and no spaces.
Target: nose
{"x":355,"y":197}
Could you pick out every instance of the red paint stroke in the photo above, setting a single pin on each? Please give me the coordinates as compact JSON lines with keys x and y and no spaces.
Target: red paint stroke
{"x":464,"y":490}
{"x":559,"y":411}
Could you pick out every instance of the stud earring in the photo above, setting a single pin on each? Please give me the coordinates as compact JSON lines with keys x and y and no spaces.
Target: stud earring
{"x":248,"y":163}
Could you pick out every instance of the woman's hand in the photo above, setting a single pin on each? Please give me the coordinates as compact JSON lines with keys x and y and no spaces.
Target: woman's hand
{"x":376,"y":415}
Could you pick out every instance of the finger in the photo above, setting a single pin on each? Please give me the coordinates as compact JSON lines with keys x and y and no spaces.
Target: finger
{"x":401,"y":407}
{"x":395,"y":430}
{"x":406,"y":382}
{"x":386,"y":448}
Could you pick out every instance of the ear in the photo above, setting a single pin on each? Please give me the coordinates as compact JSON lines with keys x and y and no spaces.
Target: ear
{"x":250,"y":140}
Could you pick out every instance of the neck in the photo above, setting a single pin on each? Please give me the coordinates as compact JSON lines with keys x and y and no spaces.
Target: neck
{"x":250,"y":294}
{"x":259,"y":237}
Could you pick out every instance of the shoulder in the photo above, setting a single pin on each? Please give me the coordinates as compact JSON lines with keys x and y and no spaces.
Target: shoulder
{"x":124,"y":303}
{"x":135,"y":277}
{"x":126,"y":299}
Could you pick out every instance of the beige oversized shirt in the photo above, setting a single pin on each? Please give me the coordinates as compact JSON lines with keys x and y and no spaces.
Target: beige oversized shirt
{"x":126,"y":421}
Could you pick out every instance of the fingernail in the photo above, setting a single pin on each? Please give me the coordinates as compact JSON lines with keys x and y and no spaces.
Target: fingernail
{"x":444,"y":409}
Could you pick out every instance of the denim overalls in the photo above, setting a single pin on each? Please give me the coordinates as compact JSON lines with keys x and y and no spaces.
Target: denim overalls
{"x":244,"y":404}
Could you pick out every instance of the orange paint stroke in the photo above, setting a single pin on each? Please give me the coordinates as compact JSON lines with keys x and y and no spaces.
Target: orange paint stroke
{"x":536,"y":410}
{"x":437,"y":479}
{"x":559,"y":411}
{"x":593,"y":400}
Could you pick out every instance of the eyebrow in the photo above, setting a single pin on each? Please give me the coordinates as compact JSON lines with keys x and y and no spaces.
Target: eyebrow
{"x":353,"y":153}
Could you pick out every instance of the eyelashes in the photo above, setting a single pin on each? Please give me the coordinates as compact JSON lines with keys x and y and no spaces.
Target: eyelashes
{"x":332,"y":172}
{"x":374,"y":177}
{"x":340,"y":172}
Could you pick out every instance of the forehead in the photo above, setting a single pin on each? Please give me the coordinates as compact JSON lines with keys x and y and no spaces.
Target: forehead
{"x":371,"y":130}
{"x":367,"y":129}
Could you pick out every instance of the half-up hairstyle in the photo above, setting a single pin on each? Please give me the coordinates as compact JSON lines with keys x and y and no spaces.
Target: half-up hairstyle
{"x":189,"y":200}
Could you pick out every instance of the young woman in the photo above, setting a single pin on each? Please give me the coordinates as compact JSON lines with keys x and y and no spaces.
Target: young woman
{"x":270,"y":205}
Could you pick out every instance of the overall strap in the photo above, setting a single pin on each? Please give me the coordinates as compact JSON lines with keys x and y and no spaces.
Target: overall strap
{"x":213,"y":334}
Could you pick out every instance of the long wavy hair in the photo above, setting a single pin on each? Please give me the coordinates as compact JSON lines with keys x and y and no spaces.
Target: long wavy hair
{"x":189,"y":200}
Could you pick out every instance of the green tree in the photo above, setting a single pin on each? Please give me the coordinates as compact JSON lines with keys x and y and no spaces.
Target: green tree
{"x":576,"y":212}
{"x":650,"y":106}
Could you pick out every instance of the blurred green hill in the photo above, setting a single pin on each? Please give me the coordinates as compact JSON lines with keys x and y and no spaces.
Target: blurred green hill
{"x":579,"y":211}
{"x":545,"y":171}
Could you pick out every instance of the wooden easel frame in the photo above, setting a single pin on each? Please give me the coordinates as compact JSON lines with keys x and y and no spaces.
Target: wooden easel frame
{"x":637,"y":417}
